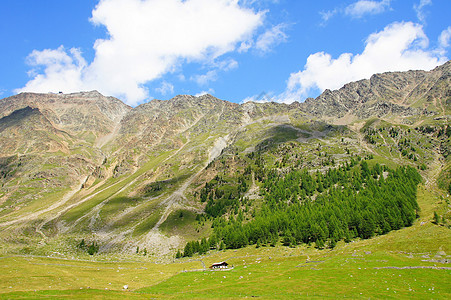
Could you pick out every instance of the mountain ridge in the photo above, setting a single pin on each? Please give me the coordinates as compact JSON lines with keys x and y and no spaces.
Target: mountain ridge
{"x":81,"y":165}
{"x":385,"y":87}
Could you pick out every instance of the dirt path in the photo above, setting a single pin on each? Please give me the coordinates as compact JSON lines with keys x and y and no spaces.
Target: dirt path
{"x":356,"y":128}
{"x":435,"y":170}
{"x":383,"y":138}
{"x":253,"y":192}
{"x":67,"y":208}
{"x":174,"y":199}
{"x":169,"y":157}
{"x":179,"y":195}
{"x":154,"y":239}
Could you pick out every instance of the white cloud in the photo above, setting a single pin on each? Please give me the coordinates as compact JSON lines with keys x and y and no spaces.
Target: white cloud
{"x":181,"y":77}
{"x":165,"y":89}
{"x":270,"y":38}
{"x":266,"y":41}
{"x":419,"y":9}
{"x":210,"y":91}
{"x":212,"y":75}
{"x":147,"y":38}
{"x":226,"y":65}
{"x":62,"y":69}
{"x":445,"y":37}
{"x":358,"y":9}
{"x":253,"y":2}
{"x":245,"y":46}
{"x":204,"y":79}
{"x":327,"y":15}
{"x":444,"y":41}
{"x":399,"y":47}
{"x":366,"y":7}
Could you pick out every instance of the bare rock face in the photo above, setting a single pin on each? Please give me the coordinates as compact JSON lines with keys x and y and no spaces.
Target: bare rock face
{"x":403,"y":93}
{"x":75,"y":113}
{"x":27,"y":130}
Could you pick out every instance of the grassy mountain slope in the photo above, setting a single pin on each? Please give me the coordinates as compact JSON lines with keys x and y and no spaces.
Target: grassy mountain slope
{"x":87,"y":167}
{"x":407,"y":263}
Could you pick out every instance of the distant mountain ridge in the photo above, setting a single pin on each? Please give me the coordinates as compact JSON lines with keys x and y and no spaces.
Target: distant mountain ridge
{"x":72,"y":112}
{"x":400,"y":93}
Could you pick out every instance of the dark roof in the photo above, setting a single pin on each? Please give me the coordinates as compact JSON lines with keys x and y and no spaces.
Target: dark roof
{"x":220,"y":264}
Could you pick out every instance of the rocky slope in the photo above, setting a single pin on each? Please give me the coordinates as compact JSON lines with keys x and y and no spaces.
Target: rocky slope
{"x":85,"y":166}
{"x":403,"y":94}
{"x":74,"y":113}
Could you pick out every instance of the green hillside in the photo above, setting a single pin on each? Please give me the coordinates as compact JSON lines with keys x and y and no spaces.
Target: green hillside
{"x":345,"y":195}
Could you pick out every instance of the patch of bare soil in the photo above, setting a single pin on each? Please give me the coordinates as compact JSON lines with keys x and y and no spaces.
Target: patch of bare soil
{"x":356,"y":128}
{"x":253,"y":192}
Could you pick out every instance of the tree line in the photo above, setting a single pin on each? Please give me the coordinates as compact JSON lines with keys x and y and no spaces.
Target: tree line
{"x":344,"y":203}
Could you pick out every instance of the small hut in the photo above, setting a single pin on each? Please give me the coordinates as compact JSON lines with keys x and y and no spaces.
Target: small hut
{"x":220,"y":265}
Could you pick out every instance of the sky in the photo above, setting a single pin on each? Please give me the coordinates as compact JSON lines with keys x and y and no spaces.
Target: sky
{"x":235,"y":50}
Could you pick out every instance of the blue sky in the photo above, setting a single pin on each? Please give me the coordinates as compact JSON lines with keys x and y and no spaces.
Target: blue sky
{"x":236,"y":50}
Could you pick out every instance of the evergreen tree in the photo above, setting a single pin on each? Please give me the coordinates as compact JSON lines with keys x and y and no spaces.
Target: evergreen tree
{"x":352,"y":200}
{"x":436,"y":218}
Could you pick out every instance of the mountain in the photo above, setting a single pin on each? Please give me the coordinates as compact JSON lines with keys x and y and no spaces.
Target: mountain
{"x":87,"y":167}
{"x":78,"y":113}
{"x":402,"y":94}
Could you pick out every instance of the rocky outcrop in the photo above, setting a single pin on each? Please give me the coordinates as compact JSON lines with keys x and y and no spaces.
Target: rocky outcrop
{"x":403,"y":93}
{"x":75,"y":113}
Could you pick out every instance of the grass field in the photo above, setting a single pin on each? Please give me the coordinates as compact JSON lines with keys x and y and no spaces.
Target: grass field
{"x":408,"y":263}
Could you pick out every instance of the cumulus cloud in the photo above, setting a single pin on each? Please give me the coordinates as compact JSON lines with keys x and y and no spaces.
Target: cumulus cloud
{"x":366,"y":7}
{"x":245,"y":46}
{"x":419,"y":9}
{"x":54,"y":69}
{"x":398,"y":47}
{"x":444,"y":41}
{"x":146,"y":39}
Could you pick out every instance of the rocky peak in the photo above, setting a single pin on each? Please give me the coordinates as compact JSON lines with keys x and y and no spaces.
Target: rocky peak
{"x":75,"y":113}
{"x":383,"y":93}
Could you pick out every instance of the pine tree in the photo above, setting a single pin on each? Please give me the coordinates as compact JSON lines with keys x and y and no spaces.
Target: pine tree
{"x":436,"y":218}
{"x":258,"y":243}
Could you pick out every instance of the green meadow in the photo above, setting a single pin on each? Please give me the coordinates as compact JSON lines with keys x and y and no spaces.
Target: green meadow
{"x":404,"y":264}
